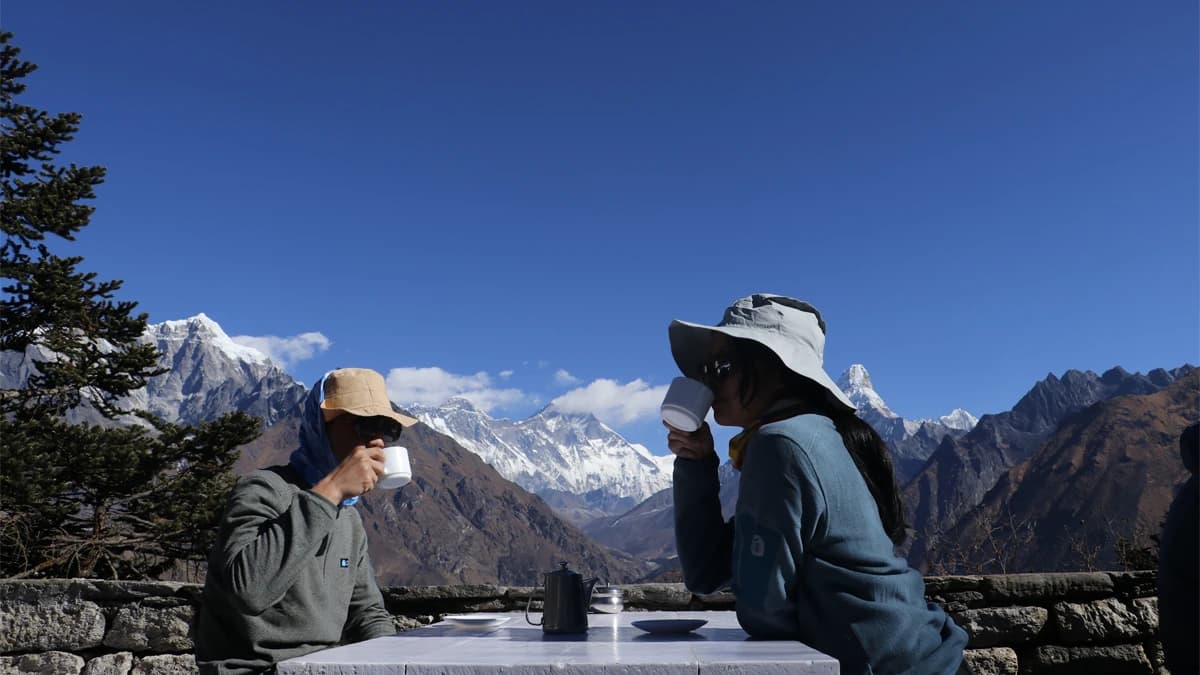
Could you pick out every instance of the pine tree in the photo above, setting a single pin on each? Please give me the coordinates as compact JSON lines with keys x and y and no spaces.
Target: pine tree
{"x":132,"y":495}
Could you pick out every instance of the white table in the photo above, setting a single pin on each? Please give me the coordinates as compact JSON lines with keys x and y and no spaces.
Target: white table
{"x":611,"y":645}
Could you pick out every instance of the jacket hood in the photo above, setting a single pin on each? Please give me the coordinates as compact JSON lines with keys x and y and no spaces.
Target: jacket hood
{"x":314,"y":459}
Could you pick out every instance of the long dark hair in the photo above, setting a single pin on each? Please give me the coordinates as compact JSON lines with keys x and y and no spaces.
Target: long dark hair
{"x":867,"y":448}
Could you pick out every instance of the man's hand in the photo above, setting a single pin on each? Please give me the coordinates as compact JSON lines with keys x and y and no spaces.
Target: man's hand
{"x":694,"y":445}
{"x":355,"y":476}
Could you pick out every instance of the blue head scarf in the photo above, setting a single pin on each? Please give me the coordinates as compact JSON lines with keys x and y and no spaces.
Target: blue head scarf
{"x":314,"y":459}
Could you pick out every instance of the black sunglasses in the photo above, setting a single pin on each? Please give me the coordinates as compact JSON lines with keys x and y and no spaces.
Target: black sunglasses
{"x":369,"y":428}
{"x":717,"y":368}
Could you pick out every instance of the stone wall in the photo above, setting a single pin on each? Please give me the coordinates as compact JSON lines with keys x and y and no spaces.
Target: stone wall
{"x":1088,"y":623}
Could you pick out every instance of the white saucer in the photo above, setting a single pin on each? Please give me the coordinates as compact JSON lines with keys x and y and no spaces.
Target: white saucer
{"x":476,"y":620}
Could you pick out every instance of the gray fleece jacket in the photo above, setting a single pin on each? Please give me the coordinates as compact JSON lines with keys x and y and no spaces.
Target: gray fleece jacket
{"x":289,"y":573}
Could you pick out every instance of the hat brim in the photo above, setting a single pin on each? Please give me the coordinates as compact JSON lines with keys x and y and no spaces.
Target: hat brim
{"x":690,"y":347}
{"x":373,"y":411}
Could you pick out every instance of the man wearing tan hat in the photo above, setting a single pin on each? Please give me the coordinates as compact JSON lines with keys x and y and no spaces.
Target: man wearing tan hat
{"x":289,"y":573}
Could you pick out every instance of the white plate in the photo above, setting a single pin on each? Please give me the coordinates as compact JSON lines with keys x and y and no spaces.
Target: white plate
{"x":476,"y":620}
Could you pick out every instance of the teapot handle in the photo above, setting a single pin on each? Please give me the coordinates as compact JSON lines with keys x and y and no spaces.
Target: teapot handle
{"x":527,"y":606}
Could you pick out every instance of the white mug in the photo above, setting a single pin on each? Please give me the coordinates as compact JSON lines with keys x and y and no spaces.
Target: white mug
{"x":397,"y":472}
{"x":686,"y":404}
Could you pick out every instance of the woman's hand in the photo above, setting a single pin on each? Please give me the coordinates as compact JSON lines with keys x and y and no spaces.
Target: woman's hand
{"x":697,"y":444}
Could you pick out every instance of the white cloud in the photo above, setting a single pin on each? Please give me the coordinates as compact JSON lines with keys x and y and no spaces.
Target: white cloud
{"x":565,"y":379}
{"x":285,"y":351}
{"x":613,"y":403}
{"x":433,"y":386}
{"x":505,"y":374}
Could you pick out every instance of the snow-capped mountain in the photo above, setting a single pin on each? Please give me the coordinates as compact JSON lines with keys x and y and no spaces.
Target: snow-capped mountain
{"x":911,"y":441}
{"x":959,"y":419}
{"x":209,"y":375}
{"x":552,"y":453}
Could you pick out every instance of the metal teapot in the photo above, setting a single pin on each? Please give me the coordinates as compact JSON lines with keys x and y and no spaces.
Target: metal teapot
{"x":565,"y":604}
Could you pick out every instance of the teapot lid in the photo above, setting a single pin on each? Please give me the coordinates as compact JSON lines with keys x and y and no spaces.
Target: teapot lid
{"x":562,"y":570}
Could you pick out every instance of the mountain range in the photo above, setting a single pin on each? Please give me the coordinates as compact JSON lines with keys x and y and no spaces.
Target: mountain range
{"x":573,"y":461}
{"x":458,"y":522}
{"x":961,"y":472}
{"x":1092,"y":493}
{"x":911,"y":441}
{"x":1080,"y":464}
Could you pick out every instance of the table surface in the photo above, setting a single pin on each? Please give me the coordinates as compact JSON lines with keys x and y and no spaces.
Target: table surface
{"x":611,"y":645}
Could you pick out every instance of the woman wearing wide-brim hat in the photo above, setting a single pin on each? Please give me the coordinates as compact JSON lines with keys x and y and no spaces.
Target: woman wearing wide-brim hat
{"x":809,"y":551}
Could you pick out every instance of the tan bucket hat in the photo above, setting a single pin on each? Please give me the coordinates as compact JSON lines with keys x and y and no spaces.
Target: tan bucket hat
{"x":361,"y":392}
{"x":791,"y":328}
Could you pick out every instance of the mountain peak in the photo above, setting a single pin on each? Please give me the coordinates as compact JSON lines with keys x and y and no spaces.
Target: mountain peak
{"x":959,"y":419}
{"x":201,"y":327}
{"x":553,"y":411}
{"x":856,"y":376}
{"x":459,"y":403}
{"x":856,"y":383}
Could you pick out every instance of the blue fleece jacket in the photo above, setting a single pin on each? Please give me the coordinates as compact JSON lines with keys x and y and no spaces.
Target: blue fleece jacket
{"x":808,"y":556}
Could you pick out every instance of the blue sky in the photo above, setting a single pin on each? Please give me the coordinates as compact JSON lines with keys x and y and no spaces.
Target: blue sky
{"x":513,"y":199}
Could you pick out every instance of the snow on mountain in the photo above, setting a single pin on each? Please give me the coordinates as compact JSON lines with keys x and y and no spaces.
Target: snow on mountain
{"x":911,"y":441}
{"x":211,"y":375}
{"x":553,"y":451}
{"x":175,"y":333}
{"x":208,"y":375}
{"x":856,"y":383}
{"x":959,"y":419}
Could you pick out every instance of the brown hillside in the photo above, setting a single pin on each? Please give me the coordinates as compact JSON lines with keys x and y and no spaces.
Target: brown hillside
{"x":1108,"y":473}
{"x":459,"y":521}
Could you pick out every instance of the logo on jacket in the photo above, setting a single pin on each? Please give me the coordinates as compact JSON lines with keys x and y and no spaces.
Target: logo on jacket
{"x":344,"y":562}
{"x":757,"y":546}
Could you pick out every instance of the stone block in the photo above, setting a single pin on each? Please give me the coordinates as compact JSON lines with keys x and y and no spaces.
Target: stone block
{"x":991,"y":626}
{"x":1018,"y":589}
{"x":1141,"y":584}
{"x":721,"y":600}
{"x":1146,"y":610}
{"x":994,"y":661}
{"x":957,"y":602}
{"x":939,"y":585}
{"x":109,"y":664}
{"x":1155,"y":653}
{"x":107,"y":591}
{"x":50,"y":623}
{"x":49,"y":663}
{"x":475,"y":592}
{"x":1099,"y":621}
{"x":1124,"y":659}
{"x":166,"y":664}
{"x":414,"y":600}
{"x":658,"y":596}
{"x":155,"y":629}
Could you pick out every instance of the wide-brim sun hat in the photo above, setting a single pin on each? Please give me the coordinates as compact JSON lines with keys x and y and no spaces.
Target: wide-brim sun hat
{"x":792,"y":329}
{"x":361,"y":392}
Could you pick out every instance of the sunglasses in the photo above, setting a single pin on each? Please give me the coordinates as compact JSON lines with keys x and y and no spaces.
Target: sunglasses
{"x":369,"y":428}
{"x":717,"y":368}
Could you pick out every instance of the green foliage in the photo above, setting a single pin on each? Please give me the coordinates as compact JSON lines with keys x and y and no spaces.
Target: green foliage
{"x":127,"y":495}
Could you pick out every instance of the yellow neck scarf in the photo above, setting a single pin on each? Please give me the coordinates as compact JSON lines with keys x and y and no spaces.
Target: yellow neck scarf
{"x":739,"y":443}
